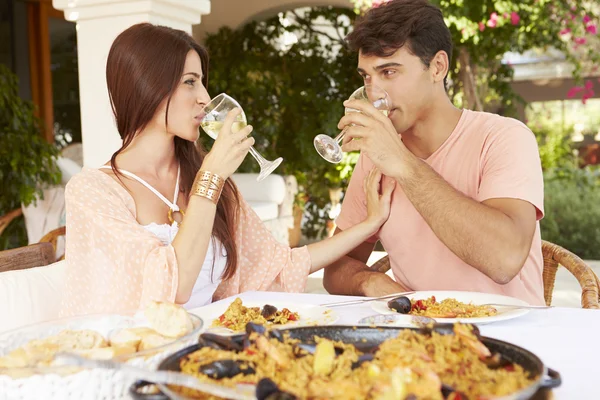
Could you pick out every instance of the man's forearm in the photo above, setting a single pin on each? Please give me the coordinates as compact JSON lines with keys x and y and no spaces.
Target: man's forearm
{"x":481,"y":236}
{"x":345,"y":277}
{"x":351,"y":277}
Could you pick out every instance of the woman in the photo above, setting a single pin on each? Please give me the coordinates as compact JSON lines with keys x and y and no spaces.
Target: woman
{"x":129,"y":239}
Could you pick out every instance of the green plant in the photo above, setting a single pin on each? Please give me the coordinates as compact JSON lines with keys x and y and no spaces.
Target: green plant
{"x":27,"y":161}
{"x":290,"y":91}
{"x":572,"y":210}
{"x":484,"y":31}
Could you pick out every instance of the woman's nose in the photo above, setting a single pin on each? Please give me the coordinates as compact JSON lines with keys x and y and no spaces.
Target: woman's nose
{"x":203,"y":97}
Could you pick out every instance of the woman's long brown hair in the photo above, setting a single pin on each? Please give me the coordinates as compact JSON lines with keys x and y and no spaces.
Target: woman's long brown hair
{"x":144,"y":67}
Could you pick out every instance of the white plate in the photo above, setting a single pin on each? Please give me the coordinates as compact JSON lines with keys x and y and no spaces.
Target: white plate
{"x":309,"y":314}
{"x":465,"y":297}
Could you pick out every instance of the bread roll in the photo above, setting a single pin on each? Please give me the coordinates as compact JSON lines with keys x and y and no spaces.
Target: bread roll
{"x":169,"y":319}
{"x":105,"y":353}
{"x":153,"y":340}
{"x":15,"y":359}
{"x":78,"y":340}
{"x":128,"y":337}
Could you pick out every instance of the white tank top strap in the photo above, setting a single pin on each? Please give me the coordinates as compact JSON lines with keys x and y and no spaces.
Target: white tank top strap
{"x":172,"y":205}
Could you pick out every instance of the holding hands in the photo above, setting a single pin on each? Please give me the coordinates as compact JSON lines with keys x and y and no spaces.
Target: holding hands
{"x":378,"y":201}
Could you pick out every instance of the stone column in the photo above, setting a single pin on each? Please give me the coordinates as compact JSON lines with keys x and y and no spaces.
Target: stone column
{"x":98,"y":23}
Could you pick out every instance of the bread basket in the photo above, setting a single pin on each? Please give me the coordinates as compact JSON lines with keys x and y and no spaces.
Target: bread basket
{"x":59,"y":382}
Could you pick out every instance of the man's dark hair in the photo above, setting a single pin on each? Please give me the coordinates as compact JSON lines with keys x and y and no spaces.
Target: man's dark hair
{"x":417,"y":24}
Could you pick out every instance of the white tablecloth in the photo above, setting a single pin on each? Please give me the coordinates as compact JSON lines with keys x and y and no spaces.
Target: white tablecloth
{"x":565,"y":339}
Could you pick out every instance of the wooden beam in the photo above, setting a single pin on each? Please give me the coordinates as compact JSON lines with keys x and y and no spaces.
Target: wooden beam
{"x":39,"y":62}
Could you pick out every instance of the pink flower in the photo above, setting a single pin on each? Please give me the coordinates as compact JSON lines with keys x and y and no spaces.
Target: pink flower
{"x":592,"y":29}
{"x":573,"y":91}
{"x":493,"y":21}
{"x":377,"y":3}
{"x":481,"y":27}
{"x":586,"y":19}
{"x":580,"y":40}
{"x":565,"y":31}
{"x":589,"y":85}
{"x":514,"y":18}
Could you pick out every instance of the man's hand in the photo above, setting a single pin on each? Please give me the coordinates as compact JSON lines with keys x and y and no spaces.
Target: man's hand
{"x":377,"y":136}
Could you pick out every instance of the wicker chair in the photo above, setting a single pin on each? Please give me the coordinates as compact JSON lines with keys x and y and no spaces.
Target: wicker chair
{"x":52,"y":238}
{"x":6,"y":219}
{"x":554,"y":256}
{"x":35,"y":255}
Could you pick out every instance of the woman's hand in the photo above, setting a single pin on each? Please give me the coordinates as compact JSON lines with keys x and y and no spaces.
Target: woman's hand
{"x":230,"y":148}
{"x":378,"y":205}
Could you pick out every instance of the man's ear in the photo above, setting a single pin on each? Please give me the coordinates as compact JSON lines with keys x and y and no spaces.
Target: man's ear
{"x":439,"y":66}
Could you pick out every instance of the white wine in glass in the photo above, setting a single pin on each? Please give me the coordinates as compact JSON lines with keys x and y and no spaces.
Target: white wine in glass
{"x":329,"y":148}
{"x":212,"y":122}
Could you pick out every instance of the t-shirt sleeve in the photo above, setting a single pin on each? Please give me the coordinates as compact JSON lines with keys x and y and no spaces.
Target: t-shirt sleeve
{"x":354,"y":205}
{"x":511,"y":166}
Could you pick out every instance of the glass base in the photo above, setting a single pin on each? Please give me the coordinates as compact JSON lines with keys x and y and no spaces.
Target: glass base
{"x":328,"y":148}
{"x":266,"y":169}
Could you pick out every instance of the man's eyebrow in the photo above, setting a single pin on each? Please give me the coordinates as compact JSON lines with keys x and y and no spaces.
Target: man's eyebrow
{"x":387,"y":65}
{"x":380,"y":67}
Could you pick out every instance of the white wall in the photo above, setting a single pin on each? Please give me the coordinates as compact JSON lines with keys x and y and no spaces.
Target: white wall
{"x":98,"y":23}
{"x":236,"y":13}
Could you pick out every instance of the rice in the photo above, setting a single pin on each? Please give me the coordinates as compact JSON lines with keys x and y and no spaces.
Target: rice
{"x":237,"y":316}
{"x":410,"y":364}
{"x":449,"y":308}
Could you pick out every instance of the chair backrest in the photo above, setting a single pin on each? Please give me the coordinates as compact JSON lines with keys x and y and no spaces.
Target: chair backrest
{"x":6,"y":219}
{"x":554,"y":255}
{"x":53,"y":237}
{"x":35,"y":255}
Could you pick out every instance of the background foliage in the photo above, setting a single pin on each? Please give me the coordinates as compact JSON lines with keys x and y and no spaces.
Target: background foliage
{"x":290,"y":93}
{"x":27,"y":161}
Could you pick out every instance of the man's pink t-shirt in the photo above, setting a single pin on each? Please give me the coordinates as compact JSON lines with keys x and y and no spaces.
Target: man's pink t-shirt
{"x":486,"y":157}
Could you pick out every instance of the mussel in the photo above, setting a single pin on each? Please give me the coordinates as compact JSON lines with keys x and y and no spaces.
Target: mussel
{"x":276,"y":334}
{"x":363,"y":358}
{"x":252,"y":327}
{"x":400,"y":304}
{"x":496,"y":361}
{"x":234,"y":343}
{"x":266,"y":389}
{"x":450,"y":394}
{"x":209,"y":343}
{"x":268,"y":311}
{"x":226,"y":369}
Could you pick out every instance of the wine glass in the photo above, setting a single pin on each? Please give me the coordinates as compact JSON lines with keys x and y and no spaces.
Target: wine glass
{"x":212,"y":122}
{"x":329,"y":148}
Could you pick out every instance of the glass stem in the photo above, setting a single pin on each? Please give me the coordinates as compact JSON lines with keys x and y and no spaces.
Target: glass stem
{"x":340,"y":137}
{"x":260,"y":159}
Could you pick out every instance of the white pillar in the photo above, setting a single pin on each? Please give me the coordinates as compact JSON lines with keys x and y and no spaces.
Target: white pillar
{"x":98,"y":24}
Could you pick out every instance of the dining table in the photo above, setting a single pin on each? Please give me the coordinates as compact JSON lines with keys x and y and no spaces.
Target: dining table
{"x":565,"y":339}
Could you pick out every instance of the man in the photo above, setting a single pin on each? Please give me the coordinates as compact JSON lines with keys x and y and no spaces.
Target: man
{"x":469,"y":186}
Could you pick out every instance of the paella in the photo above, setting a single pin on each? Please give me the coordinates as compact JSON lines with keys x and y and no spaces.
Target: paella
{"x":237,"y":316}
{"x":441,"y":363}
{"x":447,"y":308}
